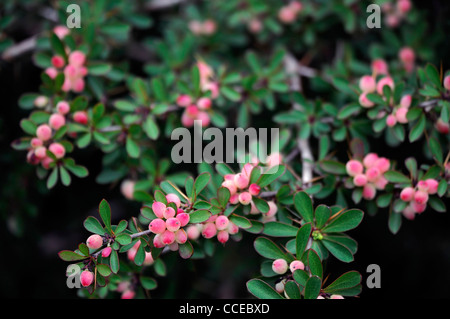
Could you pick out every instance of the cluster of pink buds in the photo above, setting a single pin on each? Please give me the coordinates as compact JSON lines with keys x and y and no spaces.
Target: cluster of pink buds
{"x":131,"y":254}
{"x":418,"y":197}
{"x":369,"y":174}
{"x":168,"y":226}
{"x":194,"y":110}
{"x":216,"y":225}
{"x":369,"y":84}
{"x":398,"y":114}
{"x":280,"y":267}
{"x":396,"y":12}
{"x":74,"y":71}
{"x":288,"y":13}
{"x":239,"y":186}
{"x":207,"y":27}
{"x":407,"y":58}
{"x":43,"y":140}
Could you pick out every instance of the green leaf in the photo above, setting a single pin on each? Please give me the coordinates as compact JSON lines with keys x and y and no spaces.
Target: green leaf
{"x":240,"y":221}
{"x":151,"y":128}
{"x":333,"y":167}
{"x":345,"y":221}
{"x":312,"y":287}
{"x":315,"y":264}
{"x":93,"y":225}
{"x":271,"y":175}
{"x":103,"y":270}
{"x":437,"y":204}
{"x":433,"y":75}
{"x":418,"y":129}
{"x":132,"y":148}
{"x":185,"y":250}
{"x":114,"y":261}
{"x":105,"y":213}
{"x":123,"y":239}
{"x":436,"y":150}
{"x":301,"y":240}
{"x":303,"y":205}
{"x":262,"y":290}
{"x":339,"y":251}
{"x":268,"y":249}
{"x":292,"y":290}
{"x":58,"y":46}
{"x":321,"y":215}
{"x":68,"y":255}
{"x":201,"y":181}
{"x":148,"y":283}
{"x":199,"y":216}
{"x":261,"y":204}
{"x":344,"y":282}
{"x":397,"y":177}
{"x":278,"y":229}
{"x":223,"y":196}
{"x":52,"y":178}
{"x":65,"y":177}
{"x":348,"y":110}
{"x":301,"y":277}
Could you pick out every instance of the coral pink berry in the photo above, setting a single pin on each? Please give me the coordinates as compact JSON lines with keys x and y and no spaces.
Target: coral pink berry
{"x":184,"y":100}
{"x":360,"y":180}
{"x":183,"y":218}
{"x":354,"y":167}
{"x":173,"y":224}
{"x":273,"y":209}
{"x":364,"y":101}
{"x":158,"y":208}
{"x":432,"y":186}
{"x":193,"y":232}
{"x":168,"y":237}
{"x":209,"y":230}
{"x":232,"y":228}
{"x":422,"y":186}
{"x":287,"y":15}
{"x":407,"y":194}
{"x":94,"y":241}
{"x":404,"y":6}
{"x":400,"y":115}
{"x":379,"y":66}
{"x":35,"y":142}
{"x":421,"y":197}
{"x":148,"y":260}
{"x":234,"y":199}
{"x":173,"y":198}
{"x":231,"y":187}
{"x":372,"y":174}
{"x":204,"y":119}
{"x":40,"y":152}
{"x":391,"y":120}
{"x":447,"y":82}
{"x":57,"y":149}
{"x":63,"y":107}
{"x":382,"y":164}
{"x":56,"y":121}
{"x":44,"y":132}
{"x":295,"y":265}
{"x":157,"y":241}
{"x":157,"y":226}
{"x":127,"y":188}
{"x":221,"y":222}
{"x":419,"y":208}
{"x":77,"y":58}
{"x":254,"y":189}
{"x":169,"y":212}
{"x":245,"y":198}
{"x":383,"y":82}
{"x":367,"y":84}
{"x":369,"y":191}
{"x":442,"y":127}
{"x":241,"y":181}
{"x":181,"y":236}
{"x":86,"y":278}
{"x":370,"y":160}
{"x":407,"y":55}
{"x":223,"y":236}
{"x":58,"y":61}
{"x":406,"y":101}
{"x":279,"y":266}
{"x":106,"y":252}
{"x":80,"y":117}
{"x":204,"y":103}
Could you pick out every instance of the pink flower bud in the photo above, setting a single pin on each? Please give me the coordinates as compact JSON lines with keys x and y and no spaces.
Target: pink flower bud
{"x":186,"y":120}
{"x":158,"y":208}
{"x":354,"y":167}
{"x":447,"y":82}
{"x":245,"y":198}
{"x":404,"y":6}
{"x":192,"y":111}
{"x":61,"y":31}
{"x":432,"y":186}
{"x":409,"y":212}
{"x":183,"y":218}
{"x":381,"y":183}
{"x":274,"y":159}
{"x":369,"y":191}
{"x":336,"y":297}
{"x":255,"y":25}
{"x":40,"y":152}
{"x":382,"y":164}
{"x":234,"y":199}
{"x":51,"y":72}
{"x":209,"y":230}
{"x":221,"y":222}
{"x":295,"y":265}
{"x":77,"y":58}
{"x":173,"y":224}
{"x":400,"y":115}
{"x":169,"y":212}
{"x":86,"y":278}
{"x":78,"y":85}
{"x":56,"y":121}
{"x":231,"y":187}
{"x":46,"y":162}
{"x":157,"y":226}
{"x":223,"y":236}
{"x":406,"y":101}
{"x":287,"y":15}
{"x":80,"y":117}
{"x":127,"y":188}
{"x":247,"y":170}
{"x":273,"y":209}
{"x":241,"y":181}
{"x":422,"y":186}
{"x":367,"y":84}
{"x":254,"y":189}
{"x":442,"y":127}
{"x":391,"y":120}
{"x":35,"y":142}
{"x":372,"y":174}
{"x":209,"y":27}
{"x":407,"y":194}
{"x":204,"y":118}
{"x":181,"y":236}
{"x":94,"y":241}
{"x":407,"y":55}
{"x":360,"y":180}
{"x":370,"y":160}
{"x":57,"y":149}
{"x":106,"y":252}
{"x":421,"y":197}
{"x":128,"y":294}
{"x":44,"y":132}
{"x":193,"y":232}
{"x":204,"y":103}
{"x":419,"y":208}
{"x":41,"y":101}
{"x":383,"y":82}
{"x":184,"y":100}
{"x":148,"y":260}
{"x":232,"y":228}
{"x":279,"y":287}
{"x":364,"y":101}
{"x":280,"y":266}
{"x":58,"y":61}
{"x":296,"y":6}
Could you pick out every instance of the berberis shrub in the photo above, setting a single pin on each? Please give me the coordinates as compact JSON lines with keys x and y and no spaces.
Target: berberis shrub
{"x":122,"y":76}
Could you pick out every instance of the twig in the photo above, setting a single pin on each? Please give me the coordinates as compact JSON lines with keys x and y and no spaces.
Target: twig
{"x":19,"y":48}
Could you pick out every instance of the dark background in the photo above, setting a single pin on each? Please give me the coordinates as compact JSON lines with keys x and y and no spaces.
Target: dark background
{"x":414,"y":263}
